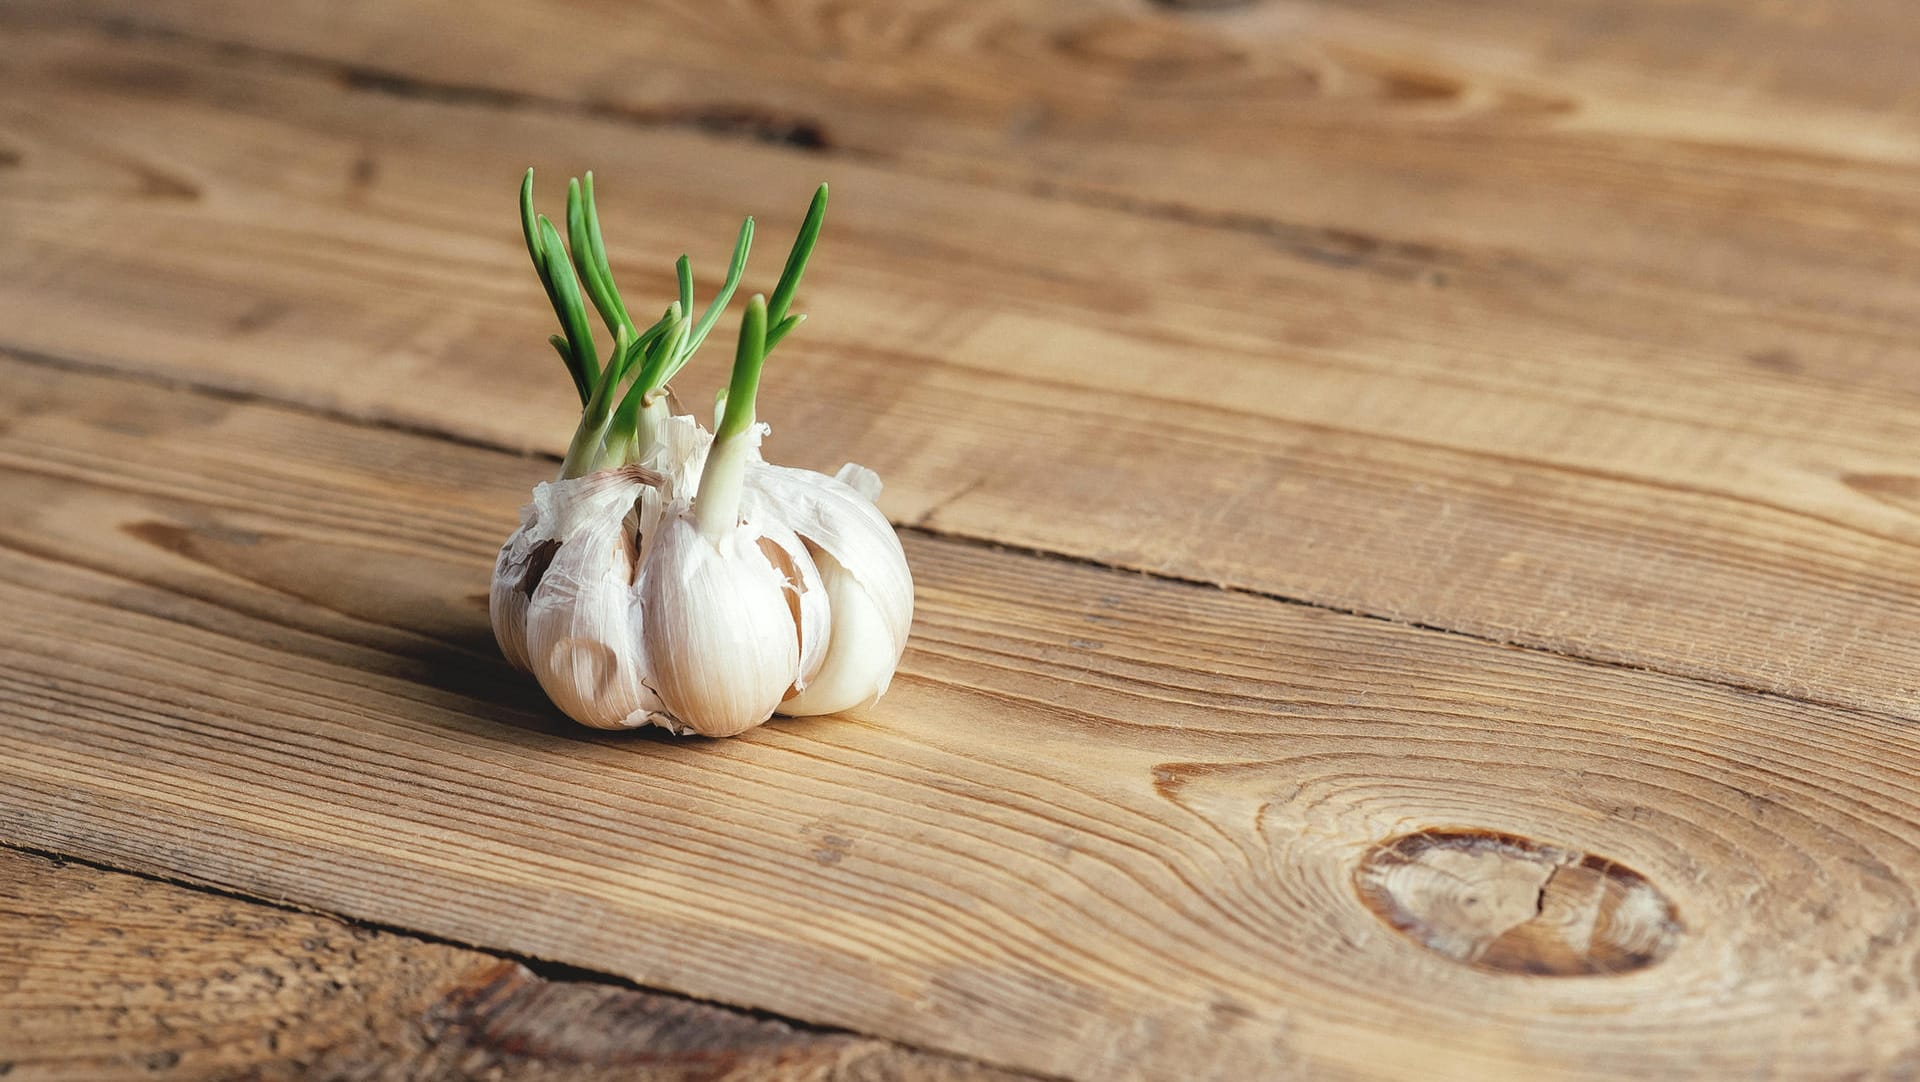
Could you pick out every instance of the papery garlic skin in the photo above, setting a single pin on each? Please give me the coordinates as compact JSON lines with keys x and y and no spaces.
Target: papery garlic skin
{"x":863,"y":568}
{"x":573,"y":620}
{"x":679,"y":455}
{"x":726,"y":646}
{"x":555,"y":513}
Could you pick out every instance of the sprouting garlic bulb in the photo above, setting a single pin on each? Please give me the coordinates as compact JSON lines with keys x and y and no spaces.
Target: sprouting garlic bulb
{"x":629,"y":615}
{"x":672,"y":576}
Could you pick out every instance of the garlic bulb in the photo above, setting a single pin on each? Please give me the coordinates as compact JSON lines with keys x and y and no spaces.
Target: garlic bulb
{"x":671,"y":576}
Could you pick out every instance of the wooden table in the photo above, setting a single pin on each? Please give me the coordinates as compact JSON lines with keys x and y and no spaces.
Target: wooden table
{"x":1415,"y":506}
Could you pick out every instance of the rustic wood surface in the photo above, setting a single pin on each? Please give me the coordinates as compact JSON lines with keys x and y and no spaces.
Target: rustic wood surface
{"x":1518,"y":446}
{"x":107,"y":976}
{"x":1106,"y":826}
{"x":1539,"y":380}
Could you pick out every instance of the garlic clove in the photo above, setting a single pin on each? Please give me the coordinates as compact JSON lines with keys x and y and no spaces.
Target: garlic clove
{"x":516,"y":573}
{"x":716,"y":614}
{"x":584,"y":646}
{"x":806,"y":594}
{"x":861,"y":653}
{"x":557,"y":511}
{"x":835,"y":517}
{"x":579,"y":637}
{"x":864,"y":571}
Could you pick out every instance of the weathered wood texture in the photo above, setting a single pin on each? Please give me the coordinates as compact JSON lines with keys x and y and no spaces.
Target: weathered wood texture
{"x":105,"y":976}
{"x":1593,"y":139}
{"x":1704,"y":467}
{"x":1201,"y":112}
{"x":1105,"y":826}
{"x":1586,"y":326}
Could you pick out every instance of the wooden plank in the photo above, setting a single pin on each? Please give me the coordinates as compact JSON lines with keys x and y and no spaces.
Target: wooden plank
{"x":1693,"y":141}
{"x":1739,"y":56}
{"x":105,"y":976}
{"x":1719,"y":55}
{"x":1105,"y":826}
{"x":1574,"y":461}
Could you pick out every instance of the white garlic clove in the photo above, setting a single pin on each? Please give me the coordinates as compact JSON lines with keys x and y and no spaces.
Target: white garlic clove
{"x":807,"y":597}
{"x":581,"y":635}
{"x":861,"y":653}
{"x":724,"y":644}
{"x":869,"y":587}
{"x":555,"y":512}
{"x":578,"y":633}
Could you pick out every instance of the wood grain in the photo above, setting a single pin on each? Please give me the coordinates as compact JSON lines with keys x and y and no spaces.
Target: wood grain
{"x":1511,"y":906}
{"x":1466,"y":120}
{"x":1105,"y":826}
{"x":1636,"y":468}
{"x":105,"y":976}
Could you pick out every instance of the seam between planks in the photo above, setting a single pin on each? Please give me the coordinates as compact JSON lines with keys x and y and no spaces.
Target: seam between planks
{"x":230,"y":394}
{"x":550,"y":971}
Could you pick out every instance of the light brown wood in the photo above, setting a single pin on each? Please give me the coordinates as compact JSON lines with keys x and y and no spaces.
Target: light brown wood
{"x":1105,"y":826}
{"x":1587,"y":326}
{"x":1456,"y":121}
{"x":1435,"y":146}
{"x":1700,"y":471}
{"x":105,"y":976}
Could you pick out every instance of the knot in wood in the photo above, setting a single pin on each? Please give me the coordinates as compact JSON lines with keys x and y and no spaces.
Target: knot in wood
{"x":1507,"y":904}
